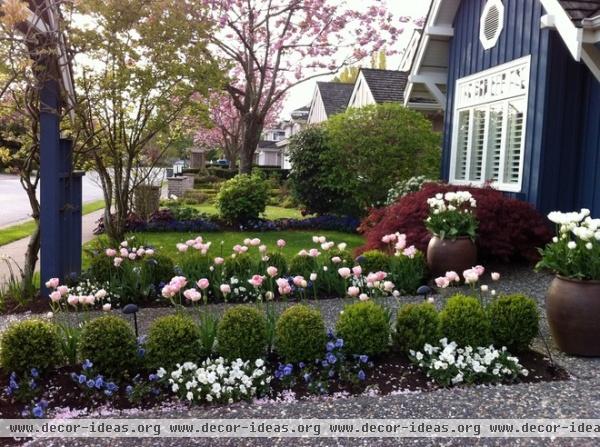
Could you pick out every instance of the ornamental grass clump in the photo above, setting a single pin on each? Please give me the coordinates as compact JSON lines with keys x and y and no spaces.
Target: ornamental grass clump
{"x":575,"y":250}
{"x":364,"y":326}
{"x":514,"y":322}
{"x":242,"y":333}
{"x":110,"y":344}
{"x":300,"y":334}
{"x":171,"y":340}
{"x":451,"y":215}
{"x":416,"y":325}
{"x":30,"y":344}
{"x":464,"y":321}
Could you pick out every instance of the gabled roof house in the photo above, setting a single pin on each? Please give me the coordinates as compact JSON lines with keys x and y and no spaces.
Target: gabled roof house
{"x":375,"y":86}
{"x":519,"y":82}
{"x":329,"y":98}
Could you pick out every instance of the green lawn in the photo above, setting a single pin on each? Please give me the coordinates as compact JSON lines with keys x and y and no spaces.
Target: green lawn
{"x":296,"y":241}
{"x":22,"y":230}
{"x":271,"y":213}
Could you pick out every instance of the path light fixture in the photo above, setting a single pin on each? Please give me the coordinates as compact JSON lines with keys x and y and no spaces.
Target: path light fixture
{"x":130,"y":309}
{"x":424,"y":291}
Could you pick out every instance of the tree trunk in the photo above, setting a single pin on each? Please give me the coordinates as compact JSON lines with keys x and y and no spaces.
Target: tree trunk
{"x":31,"y":257}
{"x":249,"y":145}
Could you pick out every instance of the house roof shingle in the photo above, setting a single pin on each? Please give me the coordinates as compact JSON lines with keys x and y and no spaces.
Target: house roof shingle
{"x":386,"y":85}
{"x":335,"y":96}
{"x":581,"y":9}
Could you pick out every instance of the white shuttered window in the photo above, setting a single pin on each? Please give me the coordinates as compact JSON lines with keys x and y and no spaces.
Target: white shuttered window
{"x":489,"y":128}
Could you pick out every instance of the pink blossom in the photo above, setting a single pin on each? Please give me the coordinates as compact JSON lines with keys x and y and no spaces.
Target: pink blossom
{"x":298,"y":280}
{"x":344,"y":272}
{"x":313,"y":253}
{"x":380,"y":275}
{"x":52,"y":283}
{"x":124,"y":252}
{"x":73,"y":300}
{"x":357,"y":270}
{"x":106,"y":307}
{"x":410,"y":252}
{"x":452,"y":276}
{"x":479,"y":269}
{"x":141,"y":252}
{"x":386,"y":239}
{"x":255,"y":242}
{"x":63,"y":290}
{"x":303,"y":253}
{"x":203,"y":283}
{"x":149,"y":252}
{"x":281,"y":243}
{"x":353,"y":291}
{"x":442,"y":282}
{"x":363,"y":297}
{"x":336,"y":259}
{"x":190,"y":242}
{"x":256,"y":280}
{"x":225,"y":289}
{"x":111,"y":252}
{"x":168,"y":291}
{"x":193,"y":295}
{"x":132,"y":256}
{"x":219,"y":261}
{"x":262,"y":249}
{"x":182,"y":248}
{"x":388,"y":286}
{"x":313,"y":277}
{"x":117,"y":261}
{"x":237,"y":248}
{"x":243,"y":249}
{"x":55,"y":296}
{"x":471,"y":276}
{"x":495,"y":276}
{"x":272,"y":271}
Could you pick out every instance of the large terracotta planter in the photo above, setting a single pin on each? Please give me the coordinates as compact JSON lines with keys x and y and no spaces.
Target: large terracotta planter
{"x":573,"y":309}
{"x":444,"y":255}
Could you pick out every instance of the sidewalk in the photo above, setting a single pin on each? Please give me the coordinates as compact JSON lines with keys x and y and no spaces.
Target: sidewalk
{"x":16,"y":250}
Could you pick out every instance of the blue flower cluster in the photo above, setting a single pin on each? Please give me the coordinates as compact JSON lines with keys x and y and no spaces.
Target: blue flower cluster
{"x":334,"y":365}
{"x":16,"y":389}
{"x":38,"y":410}
{"x":141,"y":388}
{"x":94,"y":382}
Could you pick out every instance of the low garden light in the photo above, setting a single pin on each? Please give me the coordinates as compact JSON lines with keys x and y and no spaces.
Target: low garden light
{"x":424,"y":291}
{"x":130,"y":309}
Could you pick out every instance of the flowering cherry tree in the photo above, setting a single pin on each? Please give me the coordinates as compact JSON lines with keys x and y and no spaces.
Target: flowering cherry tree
{"x":271,"y":46}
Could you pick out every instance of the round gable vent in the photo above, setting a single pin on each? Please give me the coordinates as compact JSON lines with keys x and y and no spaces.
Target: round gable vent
{"x":492,"y":22}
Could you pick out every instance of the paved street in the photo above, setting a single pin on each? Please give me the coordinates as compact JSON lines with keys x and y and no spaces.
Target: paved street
{"x":15,"y":206}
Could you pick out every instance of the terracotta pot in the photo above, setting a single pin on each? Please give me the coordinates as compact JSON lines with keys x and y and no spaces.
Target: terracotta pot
{"x":573,"y":310}
{"x":444,"y":255}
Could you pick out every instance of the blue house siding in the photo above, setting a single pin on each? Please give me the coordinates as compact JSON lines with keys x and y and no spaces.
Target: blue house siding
{"x":521,"y":36}
{"x":589,"y":185}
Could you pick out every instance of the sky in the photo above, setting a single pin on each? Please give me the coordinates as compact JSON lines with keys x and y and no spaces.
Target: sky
{"x":302,"y":94}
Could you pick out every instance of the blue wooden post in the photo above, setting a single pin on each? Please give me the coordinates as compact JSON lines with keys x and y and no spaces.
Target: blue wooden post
{"x":50,"y":247}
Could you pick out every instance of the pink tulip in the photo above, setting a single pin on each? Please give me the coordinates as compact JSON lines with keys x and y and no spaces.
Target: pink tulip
{"x":225,"y":289}
{"x":168,"y":291}
{"x":262,"y":249}
{"x":357,"y":270}
{"x":243,"y":249}
{"x":132,"y":256}
{"x":203,"y":283}
{"x":302,"y":253}
{"x":106,"y":307}
{"x":192,"y":295}
{"x":90,"y":300}
{"x":298,"y":280}
{"x":272,"y":271}
{"x":219,"y":261}
{"x":190,"y":242}
{"x":255,"y":242}
{"x":313,"y":253}
{"x":237,"y":248}
{"x":281,"y":243}
{"x":73,"y":300}
{"x":124,"y":252}
{"x":149,"y":252}
{"x":336,"y":259}
{"x":256,"y":280}
{"x":442,"y":282}
{"x":479,"y":269}
{"x":363,"y":297}
{"x":182,"y":248}
{"x":353,"y":291}
{"x":410,"y":252}
{"x":313,"y":277}
{"x":344,"y":272}
{"x":117,"y":262}
{"x":452,"y":276}
{"x":388,"y":286}
{"x":55,"y":296}
{"x":495,"y":276}
{"x":380,"y":276}
{"x":111,"y":252}
{"x":52,"y":283}
{"x":281,"y":282}
{"x":386,"y":239}
{"x":471,"y":276}
{"x":63,"y":290}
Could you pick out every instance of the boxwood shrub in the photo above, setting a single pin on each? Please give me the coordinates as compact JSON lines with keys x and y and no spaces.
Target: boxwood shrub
{"x":416,"y":325}
{"x":300,"y":334}
{"x":242,"y":198}
{"x":514,"y":322}
{"x":374,"y":261}
{"x":30,"y":344}
{"x":242,"y":333}
{"x":464,"y":321}
{"x":172,"y":339}
{"x":365,"y":329}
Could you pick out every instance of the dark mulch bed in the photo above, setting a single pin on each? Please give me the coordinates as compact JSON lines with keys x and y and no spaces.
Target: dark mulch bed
{"x":38,"y":305}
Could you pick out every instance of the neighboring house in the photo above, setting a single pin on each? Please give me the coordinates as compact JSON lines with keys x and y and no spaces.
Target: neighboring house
{"x":271,"y":150}
{"x":329,"y":98}
{"x":519,"y":81}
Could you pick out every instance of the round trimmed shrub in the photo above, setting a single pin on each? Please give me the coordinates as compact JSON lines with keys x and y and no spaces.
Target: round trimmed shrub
{"x":242,"y":198}
{"x":278,"y":260}
{"x":375,"y":261}
{"x":30,"y":344}
{"x":300,"y":334}
{"x":416,"y":325}
{"x":172,"y":339}
{"x":365,"y":329}
{"x":514,"y":321}
{"x":110,"y":344}
{"x":241,"y":266}
{"x":408,"y":274}
{"x":242,"y":333}
{"x":464,"y":321}
{"x":303,"y":266}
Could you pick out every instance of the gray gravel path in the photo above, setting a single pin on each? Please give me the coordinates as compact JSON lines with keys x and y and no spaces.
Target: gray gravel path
{"x":579,"y":397}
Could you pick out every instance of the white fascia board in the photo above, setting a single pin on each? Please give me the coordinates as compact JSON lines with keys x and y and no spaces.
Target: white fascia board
{"x":439,"y":31}
{"x":571,"y":35}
